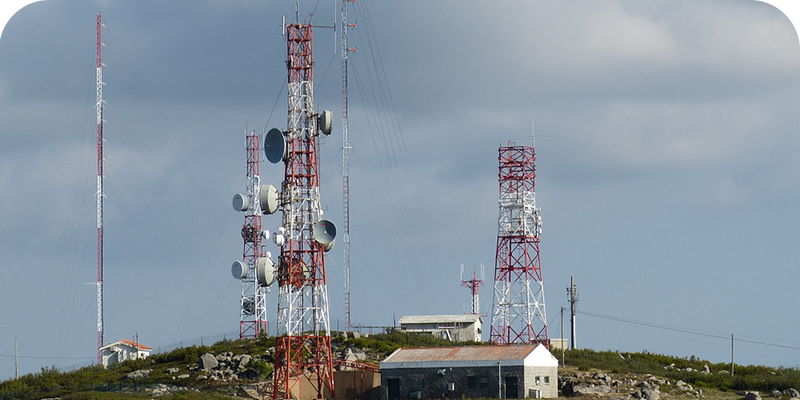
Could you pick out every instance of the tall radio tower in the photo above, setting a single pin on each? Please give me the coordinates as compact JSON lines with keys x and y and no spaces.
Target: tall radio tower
{"x":518,"y":313}
{"x":258,"y":199}
{"x":346,"y":164}
{"x":100,"y":194}
{"x":303,"y":348}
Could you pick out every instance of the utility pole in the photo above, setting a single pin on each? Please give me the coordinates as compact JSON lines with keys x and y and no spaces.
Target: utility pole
{"x":562,"y":336}
{"x":572,"y":293}
{"x":731,"y":354}
{"x":16,"y":364}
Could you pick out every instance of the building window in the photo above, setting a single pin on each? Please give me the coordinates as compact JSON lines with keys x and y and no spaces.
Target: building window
{"x":546,"y":380}
{"x":537,"y":380}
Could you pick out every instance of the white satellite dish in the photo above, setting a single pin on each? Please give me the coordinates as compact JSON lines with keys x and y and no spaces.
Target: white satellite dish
{"x":278,"y":239}
{"x":324,"y":233}
{"x":325,"y":122}
{"x":265,"y":271}
{"x":239,"y":270}
{"x":275,"y":146}
{"x":268,"y":197}
{"x":241,"y":202}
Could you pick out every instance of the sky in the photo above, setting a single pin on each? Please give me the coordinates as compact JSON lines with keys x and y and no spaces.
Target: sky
{"x":666,"y":166}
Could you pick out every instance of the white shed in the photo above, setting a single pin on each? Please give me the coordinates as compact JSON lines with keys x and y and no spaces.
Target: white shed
{"x":455,"y":328}
{"x":123,"y":350}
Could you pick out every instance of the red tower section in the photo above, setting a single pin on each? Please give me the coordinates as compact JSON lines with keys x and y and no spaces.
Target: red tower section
{"x":518,"y":312}
{"x":303,"y":349}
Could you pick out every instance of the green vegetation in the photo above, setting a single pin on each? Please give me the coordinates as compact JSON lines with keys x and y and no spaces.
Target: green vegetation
{"x":387,"y":343}
{"x":99,"y":383}
{"x":750,"y":377}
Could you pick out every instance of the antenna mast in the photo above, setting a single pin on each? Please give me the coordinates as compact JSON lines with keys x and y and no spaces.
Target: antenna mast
{"x":100,"y":193}
{"x":253,"y":300}
{"x":346,"y":165}
{"x":303,"y":348}
{"x":474,"y":285}
{"x":518,"y":313}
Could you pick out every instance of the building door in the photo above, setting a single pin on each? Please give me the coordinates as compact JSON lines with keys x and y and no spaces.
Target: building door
{"x":393,"y":388}
{"x":511,"y":387}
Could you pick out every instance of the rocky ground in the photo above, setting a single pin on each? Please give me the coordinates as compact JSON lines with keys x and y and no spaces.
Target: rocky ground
{"x":602,"y":385}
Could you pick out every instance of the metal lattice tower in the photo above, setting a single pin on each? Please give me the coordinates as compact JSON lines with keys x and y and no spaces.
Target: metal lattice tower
{"x":253,"y":304}
{"x":518,"y":312}
{"x":303,"y":349}
{"x":474,"y":286}
{"x":100,"y":194}
{"x":345,"y":166}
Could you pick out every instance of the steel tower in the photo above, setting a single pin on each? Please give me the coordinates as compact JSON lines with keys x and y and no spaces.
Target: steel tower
{"x":518,"y":312}
{"x":100,"y":194}
{"x":303,"y":349}
{"x":474,"y":286}
{"x":346,"y":165}
{"x":253,"y":300}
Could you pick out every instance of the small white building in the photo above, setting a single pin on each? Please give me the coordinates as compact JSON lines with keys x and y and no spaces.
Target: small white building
{"x":472,"y":372}
{"x":123,"y":350}
{"x":455,"y":328}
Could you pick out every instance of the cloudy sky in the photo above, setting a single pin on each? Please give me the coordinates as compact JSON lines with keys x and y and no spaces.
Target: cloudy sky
{"x":666,"y":145}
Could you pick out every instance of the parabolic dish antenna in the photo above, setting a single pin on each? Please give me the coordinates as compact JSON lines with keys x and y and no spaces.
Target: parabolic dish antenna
{"x":268,"y":197}
{"x":240,"y":202}
{"x":265,"y":271}
{"x":324,"y":233}
{"x":325,"y":122}
{"x":239,"y":270}
{"x":275,"y":146}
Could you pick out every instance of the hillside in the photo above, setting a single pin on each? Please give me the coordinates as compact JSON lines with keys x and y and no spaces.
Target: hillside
{"x":238,"y":368}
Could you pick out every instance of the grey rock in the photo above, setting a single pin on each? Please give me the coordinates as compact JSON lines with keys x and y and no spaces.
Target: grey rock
{"x":776,"y":393}
{"x":706,"y":370}
{"x":183,"y":376}
{"x":244,"y":360}
{"x":142,"y":373}
{"x":172,"y":370}
{"x":651,"y":394}
{"x":585,"y":388}
{"x":723,"y":372}
{"x":792,"y":392}
{"x":208,"y":361}
{"x":752,"y":396}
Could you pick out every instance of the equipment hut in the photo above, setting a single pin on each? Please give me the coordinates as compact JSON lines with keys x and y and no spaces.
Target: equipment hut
{"x":506,"y":372}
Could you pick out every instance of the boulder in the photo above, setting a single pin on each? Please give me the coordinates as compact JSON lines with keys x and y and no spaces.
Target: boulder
{"x":706,"y":370}
{"x":776,"y":393}
{"x":752,"y":396}
{"x":142,"y":373}
{"x":586,"y":388}
{"x":792,"y":392}
{"x":208,"y":361}
{"x":172,"y":370}
{"x":243,"y":361}
{"x":183,"y":376}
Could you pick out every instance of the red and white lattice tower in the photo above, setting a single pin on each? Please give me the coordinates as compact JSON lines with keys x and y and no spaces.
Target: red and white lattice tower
{"x":253,"y":300}
{"x":474,"y":286}
{"x":303,"y":349}
{"x":100,"y":194}
{"x":518,"y":313}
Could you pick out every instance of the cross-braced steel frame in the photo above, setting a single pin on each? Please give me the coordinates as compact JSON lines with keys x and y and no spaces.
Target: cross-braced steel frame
{"x":303,"y":349}
{"x":518,"y":312}
{"x":253,"y":304}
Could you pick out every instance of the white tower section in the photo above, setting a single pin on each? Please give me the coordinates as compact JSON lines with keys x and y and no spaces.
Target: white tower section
{"x":100,"y":194}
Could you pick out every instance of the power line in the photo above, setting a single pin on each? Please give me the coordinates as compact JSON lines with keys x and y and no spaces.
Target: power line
{"x":685,"y":330}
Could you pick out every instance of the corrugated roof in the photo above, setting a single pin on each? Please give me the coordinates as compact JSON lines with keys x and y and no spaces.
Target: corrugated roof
{"x":464,"y":353}
{"x":136,"y":345}
{"x":433,"y":319}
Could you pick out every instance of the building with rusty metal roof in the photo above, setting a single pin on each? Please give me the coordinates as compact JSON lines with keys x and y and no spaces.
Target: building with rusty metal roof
{"x":510,"y":372}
